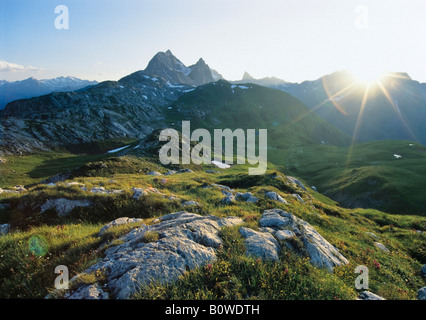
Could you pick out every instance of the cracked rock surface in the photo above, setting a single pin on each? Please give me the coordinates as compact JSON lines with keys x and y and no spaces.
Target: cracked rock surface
{"x":185,"y":241}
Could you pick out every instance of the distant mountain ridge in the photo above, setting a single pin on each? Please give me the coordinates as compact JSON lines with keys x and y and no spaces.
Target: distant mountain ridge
{"x":31,"y":87}
{"x":138,"y":103}
{"x":393,"y":109}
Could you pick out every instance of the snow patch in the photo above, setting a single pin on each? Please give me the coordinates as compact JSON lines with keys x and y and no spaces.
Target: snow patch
{"x":221,"y":165}
{"x":119,"y":149}
{"x":173,"y":85}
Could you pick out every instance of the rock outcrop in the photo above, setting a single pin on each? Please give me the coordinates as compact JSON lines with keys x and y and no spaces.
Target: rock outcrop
{"x":367,"y":295}
{"x":64,"y":206}
{"x":185,"y":241}
{"x":296,"y":234}
{"x":260,"y":244}
{"x":421,"y":294}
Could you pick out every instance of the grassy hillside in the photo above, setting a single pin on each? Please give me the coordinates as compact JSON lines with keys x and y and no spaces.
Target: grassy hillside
{"x":367,"y":175}
{"x":74,"y":240}
{"x":221,"y":105}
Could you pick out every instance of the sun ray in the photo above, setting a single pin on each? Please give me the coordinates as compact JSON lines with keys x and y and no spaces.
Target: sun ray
{"x":329,"y":99}
{"x":358,"y":122}
{"x":396,"y":109}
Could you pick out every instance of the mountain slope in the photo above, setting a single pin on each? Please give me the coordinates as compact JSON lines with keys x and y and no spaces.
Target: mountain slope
{"x":393,"y":108}
{"x":42,"y":235}
{"x":130,"y":107}
{"x":387,"y":175}
{"x":225,"y":105}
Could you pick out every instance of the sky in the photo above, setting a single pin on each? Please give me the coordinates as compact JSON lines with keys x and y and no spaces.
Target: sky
{"x":294,"y":40}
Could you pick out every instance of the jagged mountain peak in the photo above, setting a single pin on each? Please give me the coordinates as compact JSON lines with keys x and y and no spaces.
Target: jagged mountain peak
{"x":166,"y":66}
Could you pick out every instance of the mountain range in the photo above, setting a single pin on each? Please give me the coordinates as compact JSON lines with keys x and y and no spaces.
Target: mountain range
{"x":84,"y":194}
{"x":327,"y":131}
{"x":394,"y":108}
{"x":31,"y":87}
{"x":130,"y":107}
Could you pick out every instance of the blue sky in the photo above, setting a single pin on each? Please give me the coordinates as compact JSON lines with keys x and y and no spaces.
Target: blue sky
{"x":294,"y":40}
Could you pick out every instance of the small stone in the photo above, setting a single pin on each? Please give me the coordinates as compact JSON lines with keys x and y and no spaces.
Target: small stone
{"x":367,"y":295}
{"x":154,"y":173}
{"x":371,"y":234}
{"x":184,"y":171}
{"x":98,"y":190}
{"x":421,"y":294}
{"x":4,"y":228}
{"x":381,"y":246}
{"x":275,"y":196}
{"x":228,"y":199}
{"x":298,"y":197}
{"x":190,"y":203}
{"x":64,"y":206}
{"x":423,"y":270}
{"x":297,"y":182}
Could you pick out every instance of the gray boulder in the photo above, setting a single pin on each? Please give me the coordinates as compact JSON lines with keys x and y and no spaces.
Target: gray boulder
{"x":260,"y":244}
{"x":4,"y":228}
{"x":275,"y":196}
{"x":248,"y":197}
{"x":154,"y":173}
{"x":228,"y":199}
{"x":371,"y":234}
{"x":297,"y":182}
{"x":190,"y":203}
{"x":423,"y":271}
{"x":298,"y":197}
{"x":320,"y":251}
{"x":185,"y":241}
{"x":138,"y":192}
{"x":100,"y":190}
{"x":381,"y":246}
{"x":222,"y":187}
{"x":367,"y":295}
{"x":421,"y":294}
{"x":64,"y":206}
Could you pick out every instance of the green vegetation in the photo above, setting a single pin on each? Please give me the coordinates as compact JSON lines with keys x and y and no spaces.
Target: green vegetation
{"x":368,"y":175}
{"x":45,"y":240}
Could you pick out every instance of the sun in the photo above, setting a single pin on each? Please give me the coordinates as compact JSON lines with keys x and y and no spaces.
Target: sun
{"x":368,"y":76}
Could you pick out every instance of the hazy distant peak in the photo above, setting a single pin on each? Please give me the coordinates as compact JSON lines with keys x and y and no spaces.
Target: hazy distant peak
{"x":247,"y":76}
